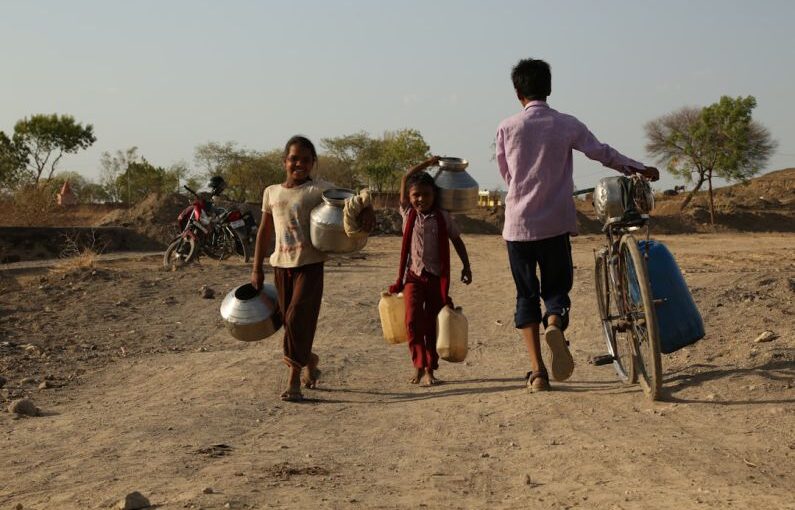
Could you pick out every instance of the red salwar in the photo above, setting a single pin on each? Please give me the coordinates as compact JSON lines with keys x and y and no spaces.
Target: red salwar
{"x":423,"y":297}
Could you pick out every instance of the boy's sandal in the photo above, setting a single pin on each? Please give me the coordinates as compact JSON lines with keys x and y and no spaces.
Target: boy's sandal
{"x":292,"y":396}
{"x":537,"y":381}
{"x":562,"y":362}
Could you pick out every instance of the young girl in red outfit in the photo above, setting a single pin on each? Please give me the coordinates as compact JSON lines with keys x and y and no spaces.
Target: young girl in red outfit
{"x":424,"y":274}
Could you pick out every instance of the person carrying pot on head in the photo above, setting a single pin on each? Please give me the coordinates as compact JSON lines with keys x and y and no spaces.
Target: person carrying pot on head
{"x":424,"y":274}
{"x":297,"y":265}
{"x":534,"y":155}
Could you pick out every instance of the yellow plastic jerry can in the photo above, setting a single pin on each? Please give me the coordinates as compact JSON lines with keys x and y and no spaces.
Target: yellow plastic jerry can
{"x":392,"y":309}
{"x":451,"y":334}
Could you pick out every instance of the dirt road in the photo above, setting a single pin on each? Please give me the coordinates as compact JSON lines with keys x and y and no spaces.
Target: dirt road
{"x":149,"y":393}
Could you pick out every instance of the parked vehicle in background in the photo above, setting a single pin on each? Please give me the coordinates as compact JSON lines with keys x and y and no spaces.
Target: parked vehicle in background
{"x":217,"y":232}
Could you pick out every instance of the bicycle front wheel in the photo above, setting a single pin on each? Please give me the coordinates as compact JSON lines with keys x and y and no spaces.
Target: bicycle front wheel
{"x":618,"y":345}
{"x":641,"y":316}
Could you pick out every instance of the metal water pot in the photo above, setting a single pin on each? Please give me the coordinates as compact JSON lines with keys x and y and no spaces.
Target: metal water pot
{"x":326,"y":227}
{"x":250,"y":314}
{"x":458,"y":191}
{"x":620,"y":199}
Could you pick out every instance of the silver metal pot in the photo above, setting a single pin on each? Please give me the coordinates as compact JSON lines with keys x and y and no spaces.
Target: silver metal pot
{"x":458,"y":191}
{"x":620,"y":199}
{"x":326,"y":227}
{"x":251,"y":315}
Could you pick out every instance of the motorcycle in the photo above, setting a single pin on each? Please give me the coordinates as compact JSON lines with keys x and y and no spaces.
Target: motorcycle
{"x":218,"y":232}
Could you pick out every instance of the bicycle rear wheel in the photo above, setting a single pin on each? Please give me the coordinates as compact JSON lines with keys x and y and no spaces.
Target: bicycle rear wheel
{"x":618,"y":344}
{"x":641,"y":316}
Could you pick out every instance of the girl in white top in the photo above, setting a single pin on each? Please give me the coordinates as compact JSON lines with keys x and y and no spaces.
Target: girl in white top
{"x":297,"y":265}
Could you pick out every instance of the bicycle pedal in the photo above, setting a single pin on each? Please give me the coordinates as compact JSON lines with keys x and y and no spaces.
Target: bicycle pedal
{"x":604,"y":359}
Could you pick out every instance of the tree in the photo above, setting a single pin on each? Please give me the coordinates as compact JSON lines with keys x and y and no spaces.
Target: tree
{"x":348,"y":157}
{"x":142,"y":178}
{"x":115,"y":165}
{"x":720,"y":140}
{"x":246,"y":172}
{"x":76,"y":182}
{"x":46,"y":138}
{"x":379,"y":162}
{"x":93,"y":193}
{"x":400,"y":150}
{"x":12,"y":162}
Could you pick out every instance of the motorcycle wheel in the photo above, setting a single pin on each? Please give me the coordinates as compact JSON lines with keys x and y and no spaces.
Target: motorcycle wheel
{"x":242,"y":247}
{"x":226,"y":243}
{"x":179,"y":253}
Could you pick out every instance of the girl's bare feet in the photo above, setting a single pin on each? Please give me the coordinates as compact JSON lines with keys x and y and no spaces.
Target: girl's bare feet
{"x":428,"y":379}
{"x":311,"y":373}
{"x":418,"y":373}
{"x":293,"y":391}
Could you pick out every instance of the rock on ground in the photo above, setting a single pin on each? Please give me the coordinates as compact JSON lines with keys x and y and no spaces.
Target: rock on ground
{"x":24,"y":407}
{"x":133,"y":501}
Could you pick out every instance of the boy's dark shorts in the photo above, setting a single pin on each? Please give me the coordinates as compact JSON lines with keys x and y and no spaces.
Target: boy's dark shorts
{"x":552,"y":256}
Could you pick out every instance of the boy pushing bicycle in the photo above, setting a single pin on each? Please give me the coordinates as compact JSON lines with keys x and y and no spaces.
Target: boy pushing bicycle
{"x":534,"y":154}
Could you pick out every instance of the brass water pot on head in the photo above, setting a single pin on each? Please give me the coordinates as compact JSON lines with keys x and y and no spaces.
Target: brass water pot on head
{"x":458,"y":191}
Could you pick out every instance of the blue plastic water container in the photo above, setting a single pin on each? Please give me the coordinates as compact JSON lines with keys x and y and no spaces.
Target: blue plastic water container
{"x":678,"y":319}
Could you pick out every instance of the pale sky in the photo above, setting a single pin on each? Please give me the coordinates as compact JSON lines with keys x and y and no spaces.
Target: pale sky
{"x":168,"y":75}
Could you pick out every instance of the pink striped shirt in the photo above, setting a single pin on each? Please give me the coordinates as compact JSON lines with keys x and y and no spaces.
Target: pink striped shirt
{"x":534,"y":154}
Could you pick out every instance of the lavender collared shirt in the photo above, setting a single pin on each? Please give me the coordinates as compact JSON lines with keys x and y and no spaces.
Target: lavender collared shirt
{"x":424,"y":252}
{"x":534,"y":154}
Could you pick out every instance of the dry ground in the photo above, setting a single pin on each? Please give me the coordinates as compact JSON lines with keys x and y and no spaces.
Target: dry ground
{"x":149,"y":393}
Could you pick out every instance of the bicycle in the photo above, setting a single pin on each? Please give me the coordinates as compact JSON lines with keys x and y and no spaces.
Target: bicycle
{"x":623,"y":290}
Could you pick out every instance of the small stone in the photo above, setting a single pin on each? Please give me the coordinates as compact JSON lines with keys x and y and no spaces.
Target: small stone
{"x":527,"y":479}
{"x":33,"y":350}
{"x":766,"y":336}
{"x":208,"y":490}
{"x":207,"y":292}
{"x":484,"y":455}
{"x":201,"y":349}
{"x":711,"y":396}
{"x":45,"y":385}
{"x":2,"y":381}
{"x":133,"y":501}
{"x":23,"y":407}
{"x":19,"y":507}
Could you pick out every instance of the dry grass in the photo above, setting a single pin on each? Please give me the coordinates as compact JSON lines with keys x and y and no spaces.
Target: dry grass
{"x":79,"y":255}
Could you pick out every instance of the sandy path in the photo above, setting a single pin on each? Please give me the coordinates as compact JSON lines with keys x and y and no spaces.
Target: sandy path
{"x":367,"y":439}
